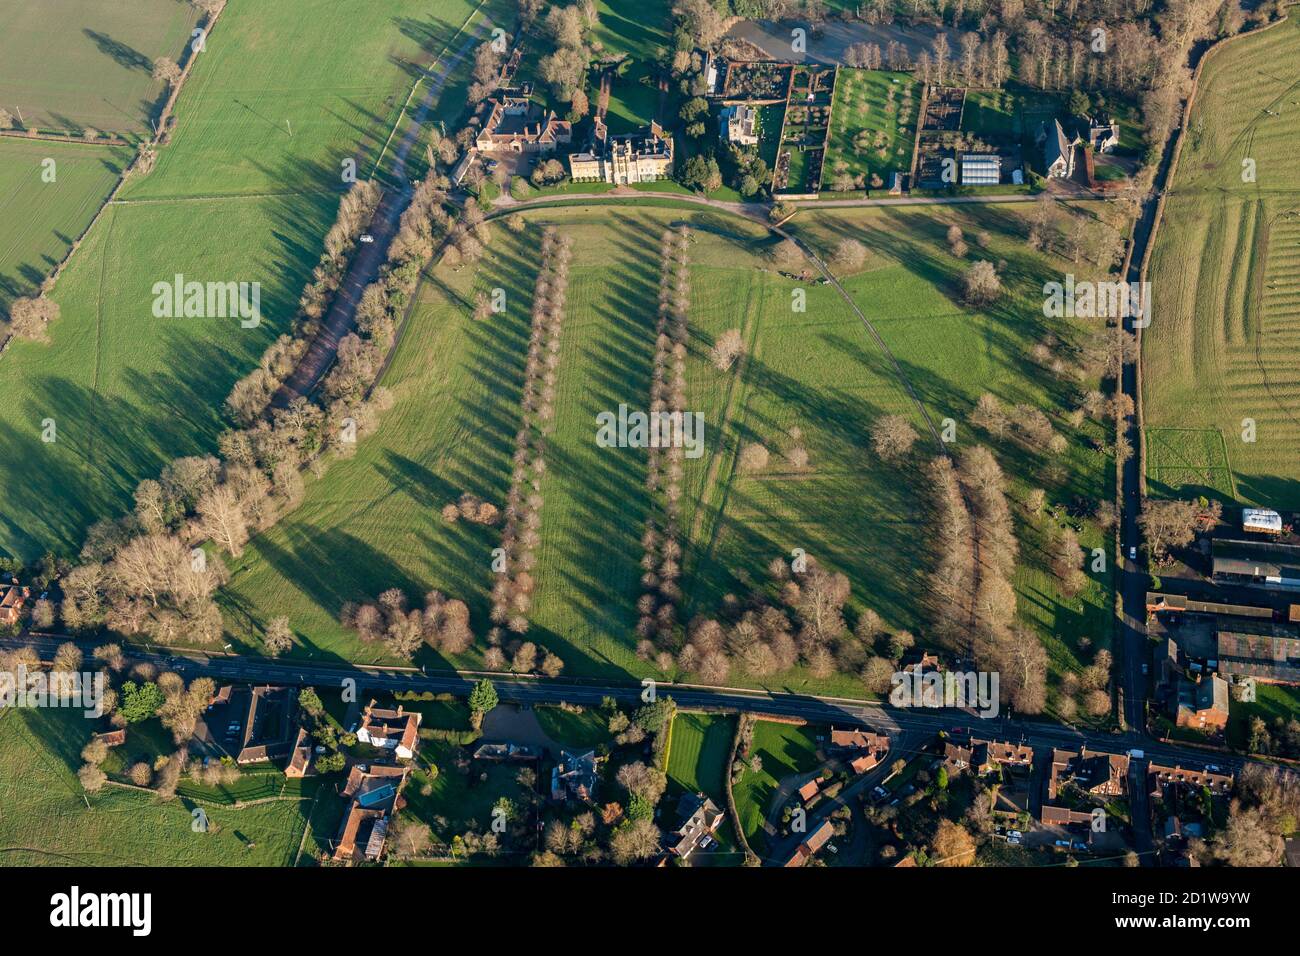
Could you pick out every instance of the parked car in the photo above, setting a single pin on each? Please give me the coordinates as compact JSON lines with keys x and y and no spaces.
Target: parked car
{"x":1132,"y":552}
{"x":1013,"y":840}
{"x":367,"y":237}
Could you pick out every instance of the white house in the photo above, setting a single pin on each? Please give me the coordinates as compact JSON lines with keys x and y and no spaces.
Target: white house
{"x":394,"y":730}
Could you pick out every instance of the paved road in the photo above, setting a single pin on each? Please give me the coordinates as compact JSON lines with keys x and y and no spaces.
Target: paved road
{"x":883,"y":718}
{"x":369,"y":257}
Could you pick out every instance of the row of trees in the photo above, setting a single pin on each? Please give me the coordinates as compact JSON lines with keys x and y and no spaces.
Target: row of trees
{"x":145,"y":572}
{"x":661,"y":562}
{"x":513,"y":590}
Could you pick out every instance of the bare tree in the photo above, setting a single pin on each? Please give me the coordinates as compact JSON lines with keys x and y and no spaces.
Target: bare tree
{"x":892,"y":437}
{"x":166,"y":71}
{"x":980,"y":284}
{"x":728,"y":348}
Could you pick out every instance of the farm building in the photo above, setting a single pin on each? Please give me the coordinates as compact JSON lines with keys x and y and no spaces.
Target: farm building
{"x":1261,"y":520}
{"x":813,"y":842}
{"x":1271,"y":658}
{"x":981,"y":169}
{"x":1270,"y":565}
{"x":1178,"y":603}
{"x":373,"y":795}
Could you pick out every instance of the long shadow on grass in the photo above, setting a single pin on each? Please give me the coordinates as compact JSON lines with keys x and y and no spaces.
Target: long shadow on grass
{"x":590,"y":565}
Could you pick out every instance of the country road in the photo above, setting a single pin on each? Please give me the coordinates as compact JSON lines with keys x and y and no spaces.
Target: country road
{"x":884,"y":718}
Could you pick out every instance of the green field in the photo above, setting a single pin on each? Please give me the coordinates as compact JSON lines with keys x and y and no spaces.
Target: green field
{"x":1188,"y":462}
{"x":42,"y":219}
{"x":234,"y":197}
{"x":1221,"y":352}
{"x":870,"y":133}
{"x":72,"y":64}
{"x":639,"y":28}
{"x":785,"y":750}
{"x":373,"y":521}
{"x":46,"y":821}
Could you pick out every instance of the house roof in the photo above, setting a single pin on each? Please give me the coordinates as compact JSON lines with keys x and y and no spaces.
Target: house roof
{"x":809,"y":789}
{"x":813,"y":842}
{"x":383,"y":724}
{"x":1161,"y":775}
{"x":1058,"y":145}
{"x":12,"y":596}
{"x":257,"y":744}
{"x":1212,"y":695}
{"x":300,"y":757}
{"x":362,"y":777}
{"x":859,"y":739}
{"x":1003,"y":751}
{"x":1063,"y":816}
{"x":864,"y":763}
{"x":701,"y":817}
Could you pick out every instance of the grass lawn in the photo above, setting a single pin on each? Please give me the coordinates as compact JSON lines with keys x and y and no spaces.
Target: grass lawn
{"x":1271,"y":702}
{"x":574,"y":730}
{"x":42,"y":219}
{"x":870,"y":132}
{"x":128,"y":392}
{"x":697,"y":761}
{"x":69,"y":64}
{"x":906,"y":289}
{"x":785,"y":749}
{"x":633,"y":100}
{"x":640,"y":28}
{"x":1225,"y":279}
{"x":46,"y":821}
